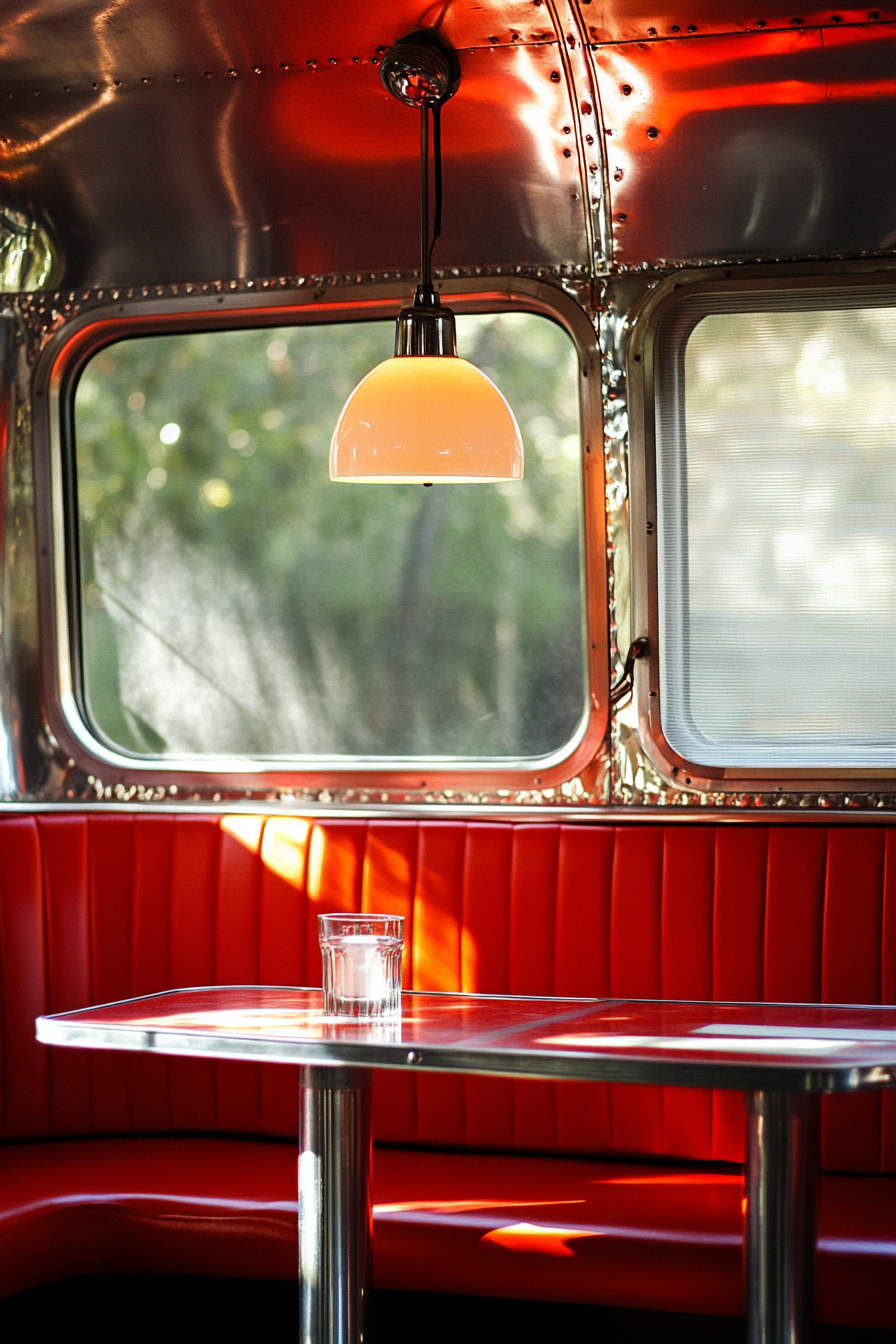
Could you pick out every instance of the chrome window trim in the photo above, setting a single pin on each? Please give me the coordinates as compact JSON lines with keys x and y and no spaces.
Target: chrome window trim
{"x":641,"y":379}
{"x":542,"y":814}
{"x":56,"y":371}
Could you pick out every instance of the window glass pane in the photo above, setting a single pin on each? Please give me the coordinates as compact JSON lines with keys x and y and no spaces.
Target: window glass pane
{"x":236,"y":601}
{"x":777,"y":485}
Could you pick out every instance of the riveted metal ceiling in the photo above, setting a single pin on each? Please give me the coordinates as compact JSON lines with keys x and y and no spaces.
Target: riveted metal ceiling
{"x":165,"y":142}
{"x":159,"y":142}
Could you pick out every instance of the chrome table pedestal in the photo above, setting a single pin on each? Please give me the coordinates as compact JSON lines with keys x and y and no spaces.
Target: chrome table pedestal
{"x":335,"y":1216}
{"x":781,"y":1177}
{"x":335,"y":1220}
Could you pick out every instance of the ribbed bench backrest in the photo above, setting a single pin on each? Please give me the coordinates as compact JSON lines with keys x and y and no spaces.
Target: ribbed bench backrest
{"x":102,"y":907}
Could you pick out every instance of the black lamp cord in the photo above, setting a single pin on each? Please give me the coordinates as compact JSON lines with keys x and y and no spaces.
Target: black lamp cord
{"x":626,"y":682}
{"x":426,"y":243}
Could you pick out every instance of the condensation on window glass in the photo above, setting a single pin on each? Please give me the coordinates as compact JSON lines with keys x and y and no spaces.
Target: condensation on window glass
{"x":235,"y":601}
{"x":778,"y":541}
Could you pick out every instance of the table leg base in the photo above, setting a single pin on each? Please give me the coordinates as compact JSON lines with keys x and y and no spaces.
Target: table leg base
{"x":781,"y":1179}
{"x":335,"y":1219}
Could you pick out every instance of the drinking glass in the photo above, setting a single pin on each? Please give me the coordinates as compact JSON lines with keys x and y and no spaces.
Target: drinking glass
{"x":361,"y":957}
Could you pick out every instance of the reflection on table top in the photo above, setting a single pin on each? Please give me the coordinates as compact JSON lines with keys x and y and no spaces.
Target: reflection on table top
{"x":749,"y":1045}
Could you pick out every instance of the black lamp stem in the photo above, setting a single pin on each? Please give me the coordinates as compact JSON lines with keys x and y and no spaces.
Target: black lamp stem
{"x":427,"y":243}
{"x":425,"y":247}
{"x":437,"y":172}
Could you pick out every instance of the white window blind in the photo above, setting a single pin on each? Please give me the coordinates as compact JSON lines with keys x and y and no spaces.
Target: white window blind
{"x":776,"y":495}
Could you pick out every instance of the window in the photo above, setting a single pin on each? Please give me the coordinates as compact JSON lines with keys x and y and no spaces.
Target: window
{"x":776,"y":514}
{"x":235,"y":602}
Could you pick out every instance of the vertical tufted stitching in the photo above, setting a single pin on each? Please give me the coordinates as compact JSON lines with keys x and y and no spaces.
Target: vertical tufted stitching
{"x":794,"y":913}
{"x":739,"y":917}
{"x":635,"y":970}
{"x":582,"y":967}
{"x":888,"y":922}
{"x":151,"y":898}
{"x":63,"y":842}
{"x":22,"y":980}
{"x":851,"y":973}
{"x":533,"y":887}
{"x":238,"y":889}
{"x":149,"y":1075}
{"x":852,"y":917}
{"x":389,"y":877}
{"x":485,"y":912}
{"x":111,"y":879}
{"x":437,"y":906}
{"x":282,"y":897}
{"x":485,"y":968}
{"x":635,"y":919}
{"x":238,"y":902}
{"x":387,"y":887}
{"x":334,"y":881}
{"x":281,"y":951}
{"x":582,"y":910}
{"x":687,"y":925}
{"x":195,"y":852}
{"x":687,"y":908}
{"x":741,"y":873}
{"x":437,"y":963}
{"x":888,"y":994}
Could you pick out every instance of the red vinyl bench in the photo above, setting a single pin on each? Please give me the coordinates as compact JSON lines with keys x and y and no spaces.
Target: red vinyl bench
{"x":604,"y":1193}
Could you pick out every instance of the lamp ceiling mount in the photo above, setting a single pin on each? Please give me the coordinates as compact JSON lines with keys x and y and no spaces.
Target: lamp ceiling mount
{"x":423,"y":72}
{"x":420,"y":70}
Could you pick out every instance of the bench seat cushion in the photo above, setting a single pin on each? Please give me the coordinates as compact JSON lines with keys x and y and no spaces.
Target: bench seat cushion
{"x":650,"y":1235}
{"x":222,"y":1207}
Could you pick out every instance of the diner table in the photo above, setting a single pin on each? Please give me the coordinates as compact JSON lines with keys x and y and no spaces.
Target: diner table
{"x":783,"y":1056}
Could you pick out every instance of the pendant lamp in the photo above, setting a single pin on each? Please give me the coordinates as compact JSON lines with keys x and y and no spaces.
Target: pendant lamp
{"x":425,"y":415}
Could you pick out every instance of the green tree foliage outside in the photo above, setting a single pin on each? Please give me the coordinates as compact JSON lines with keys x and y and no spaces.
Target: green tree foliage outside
{"x":237,"y":601}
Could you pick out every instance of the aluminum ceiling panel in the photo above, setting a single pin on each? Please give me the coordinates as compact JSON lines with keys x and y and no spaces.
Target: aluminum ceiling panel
{"x":636,"y":20}
{"x":77,"y":42}
{"x":763,"y":145}
{"x":302,"y":171}
{"x":164,"y":142}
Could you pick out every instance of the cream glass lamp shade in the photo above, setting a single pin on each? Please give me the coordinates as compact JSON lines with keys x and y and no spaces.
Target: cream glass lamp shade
{"x":424,"y":418}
